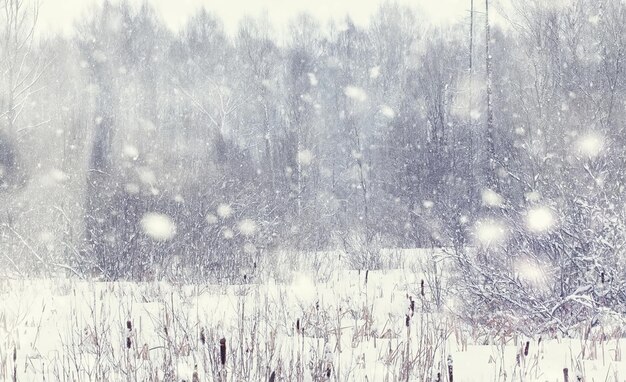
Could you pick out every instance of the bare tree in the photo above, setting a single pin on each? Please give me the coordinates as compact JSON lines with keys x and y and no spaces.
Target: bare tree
{"x":492,"y":181}
{"x":21,"y":68}
{"x":20,"y":71}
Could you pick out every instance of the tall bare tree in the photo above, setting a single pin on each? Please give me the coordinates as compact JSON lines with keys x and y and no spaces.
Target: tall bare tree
{"x":20,"y":71}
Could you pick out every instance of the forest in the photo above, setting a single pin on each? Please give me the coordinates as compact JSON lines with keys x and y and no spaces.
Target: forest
{"x":130,"y":152}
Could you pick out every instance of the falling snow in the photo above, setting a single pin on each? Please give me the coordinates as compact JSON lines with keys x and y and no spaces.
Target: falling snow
{"x":490,"y":232}
{"x":590,"y":145}
{"x":491,"y":198}
{"x":387,"y":111}
{"x":247,"y":227}
{"x":374,"y":72}
{"x":364,"y":192}
{"x":355,"y":93}
{"x":158,"y":226}
{"x":540,"y":219}
{"x":304,"y":157}
{"x":224,"y":211}
{"x":211,"y":219}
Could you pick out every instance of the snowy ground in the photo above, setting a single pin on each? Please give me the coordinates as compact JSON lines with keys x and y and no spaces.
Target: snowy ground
{"x":342,"y":325}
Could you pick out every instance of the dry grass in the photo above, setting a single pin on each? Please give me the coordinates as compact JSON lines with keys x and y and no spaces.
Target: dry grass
{"x":355,"y":326}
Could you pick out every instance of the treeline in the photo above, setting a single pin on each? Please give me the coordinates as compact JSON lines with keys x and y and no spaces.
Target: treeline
{"x":332,"y":137}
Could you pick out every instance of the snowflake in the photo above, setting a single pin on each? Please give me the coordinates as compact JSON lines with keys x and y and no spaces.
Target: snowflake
{"x":490,"y":232}
{"x":375,"y":72}
{"x":247,"y":227}
{"x":590,"y":145}
{"x":224,"y":210}
{"x":211,"y":219}
{"x":304,"y":157}
{"x":539,"y":219}
{"x":491,"y":198}
{"x":158,"y":226}
{"x":356,"y":93}
{"x":387,"y":111}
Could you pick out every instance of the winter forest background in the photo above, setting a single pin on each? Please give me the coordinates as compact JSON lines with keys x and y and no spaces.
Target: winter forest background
{"x":131,"y":152}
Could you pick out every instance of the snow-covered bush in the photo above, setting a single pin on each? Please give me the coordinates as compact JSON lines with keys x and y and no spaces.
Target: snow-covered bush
{"x":553,"y":262}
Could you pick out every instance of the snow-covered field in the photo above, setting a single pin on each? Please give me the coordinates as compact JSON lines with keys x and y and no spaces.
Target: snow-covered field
{"x":345,"y":326}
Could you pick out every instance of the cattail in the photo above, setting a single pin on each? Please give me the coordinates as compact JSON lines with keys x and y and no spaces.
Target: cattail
{"x":412,"y":305}
{"x":367,"y":272}
{"x":128,"y":342}
{"x":407,"y":320}
{"x":328,"y":372}
{"x":202,"y":336}
{"x":317,"y":305}
{"x":195,"y":377}
{"x":166,"y":332}
{"x":272,"y":377}
{"x":602,"y":277}
{"x":422,"y":288}
{"x":223,"y":351}
{"x":129,"y":325}
{"x":14,"y":363}
{"x":526,"y":348}
{"x":298,"y":325}
{"x":145,"y":352}
{"x":565,"y":375}
{"x":450,"y":373}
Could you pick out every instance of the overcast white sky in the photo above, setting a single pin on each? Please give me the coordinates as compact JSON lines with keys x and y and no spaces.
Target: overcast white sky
{"x":60,"y":14}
